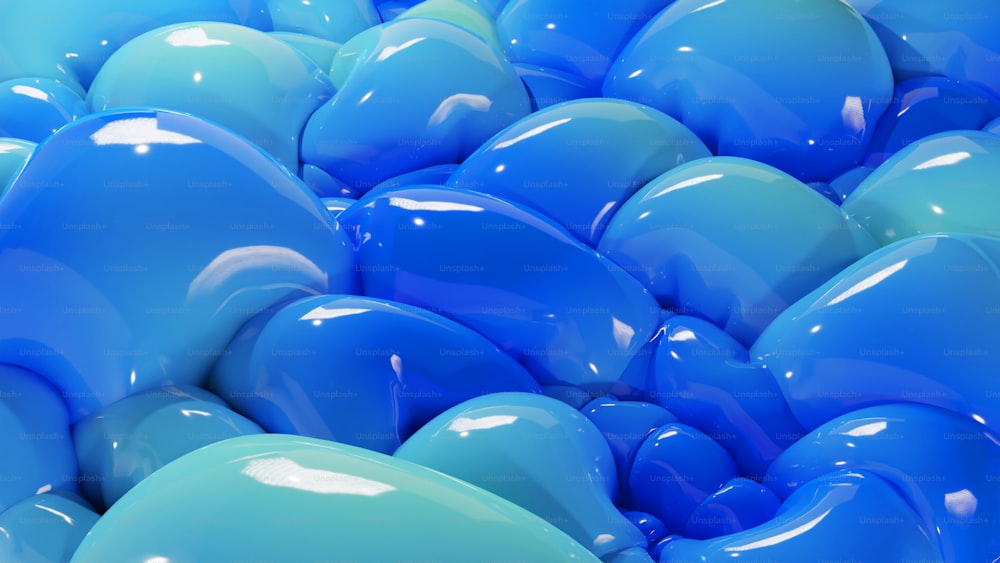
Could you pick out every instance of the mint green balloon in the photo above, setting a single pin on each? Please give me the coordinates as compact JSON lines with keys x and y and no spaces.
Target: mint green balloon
{"x":466,"y":14}
{"x":277,"y":497}
{"x":942,"y":183}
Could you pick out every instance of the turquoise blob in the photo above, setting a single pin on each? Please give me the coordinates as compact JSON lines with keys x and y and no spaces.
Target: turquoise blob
{"x":942,"y":183}
{"x":290,"y":498}
{"x":14,"y":153}
{"x":538,"y":453}
{"x":360,"y":371}
{"x":125,"y":442}
{"x":842,"y":516}
{"x":735,"y":73}
{"x":915,"y":321}
{"x":34,"y":438}
{"x":235,"y":76}
{"x":44,"y":528}
{"x":130,"y":271}
{"x":579,"y":161}
{"x":331,"y":20}
{"x":69,"y":42}
{"x":732,"y":241}
{"x":34,"y":108}
{"x":320,"y":51}
{"x":945,"y":466}
{"x":553,"y":304}
{"x":396,"y":113}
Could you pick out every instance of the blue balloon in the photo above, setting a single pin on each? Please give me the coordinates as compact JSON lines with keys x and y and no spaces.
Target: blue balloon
{"x":360,"y":371}
{"x":332,"y":20}
{"x":319,"y":51}
{"x":34,"y":438}
{"x":899,"y":325}
{"x":34,"y":108}
{"x":944,"y":465}
{"x":434,"y":175}
{"x":566,"y":313}
{"x":734,"y":72}
{"x":337,"y":204}
{"x":925,"y":106}
{"x":44,"y":528}
{"x":702,"y":376}
{"x":549,"y":87}
{"x":578,"y":162}
{"x":739,"y":505}
{"x":732,"y":241}
{"x":130,"y":271}
{"x":394,"y":113}
{"x":537,"y":453}
{"x":125,"y":442}
{"x":13,"y":154}
{"x":69,"y":42}
{"x":843,"y":516}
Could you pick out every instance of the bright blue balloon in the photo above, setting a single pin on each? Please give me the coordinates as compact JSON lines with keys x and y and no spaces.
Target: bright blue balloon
{"x":537,"y":453}
{"x":130,"y":271}
{"x":34,"y":108}
{"x":941,"y":183}
{"x":396,"y":113}
{"x":925,"y":106}
{"x":241,"y":78}
{"x":332,"y":20}
{"x":578,"y":37}
{"x":675,"y":469}
{"x":649,"y":525}
{"x":625,"y":425}
{"x":566,"y":313}
{"x":843,"y":516}
{"x":435,"y":175}
{"x":578,"y":162}
{"x":549,"y":87}
{"x":323,"y":184}
{"x":739,"y":505}
{"x":702,"y":376}
{"x":957,"y":40}
{"x":34,"y":438}
{"x":944,"y":465}
{"x":125,"y":442}
{"x":69,"y":41}
{"x":915,"y":321}
{"x":44,"y":528}
{"x":337,"y":204}
{"x":358,"y":370}
{"x":276,"y":497}
{"x":732,"y":241}
{"x":845,"y":184}
{"x":735,"y":73}
{"x":319,"y":51}
{"x":13,"y":154}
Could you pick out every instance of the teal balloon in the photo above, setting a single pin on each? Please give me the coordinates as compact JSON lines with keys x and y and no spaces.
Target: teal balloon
{"x":44,"y":528}
{"x":14,"y":153}
{"x":277,"y":497}
{"x":235,"y":76}
{"x":34,"y":108}
{"x":538,"y":453}
{"x":125,"y":442}
{"x":463,"y":13}
{"x":842,"y":516}
{"x":331,"y":20}
{"x":941,"y":183}
{"x":319,"y":51}
{"x":596,"y":154}
{"x":732,"y":241}
{"x":946,"y":466}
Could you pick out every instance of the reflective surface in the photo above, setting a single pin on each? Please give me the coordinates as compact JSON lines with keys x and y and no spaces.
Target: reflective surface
{"x":846,"y":516}
{"x":130,"y":272}
{"x":13,"y":154}
{"x":739,"y":85}
{"x":570,"y":479}
{"x":945,"y":182}
{"x":578,"y":162}
{"x":34,"y":436}
{"x":511,"y":275}
{"x":358,"y":370}
{"x":739,"y":505}
{"x":125,"y":442}
{"x":464,"y":13}
{"x":863,"y":339}
{"x":237,"y":77}
{"x":950,"y":479}
{"x":731,"y":241}
{"x":332,"y":20}
{"x":394,"y":113}
{"x":314,"y":498}
{"x":33,"y":108}
{"x":44,"y":528}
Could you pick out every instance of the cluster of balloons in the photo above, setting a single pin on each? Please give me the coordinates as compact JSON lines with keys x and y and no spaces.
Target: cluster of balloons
{"x":500,"y":280}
